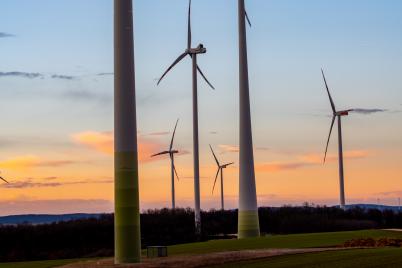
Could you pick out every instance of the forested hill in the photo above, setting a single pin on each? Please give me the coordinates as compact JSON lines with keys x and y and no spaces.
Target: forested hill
{"x":44,"y":218}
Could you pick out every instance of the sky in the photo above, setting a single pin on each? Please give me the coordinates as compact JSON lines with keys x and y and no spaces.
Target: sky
{"x":56,"y":91}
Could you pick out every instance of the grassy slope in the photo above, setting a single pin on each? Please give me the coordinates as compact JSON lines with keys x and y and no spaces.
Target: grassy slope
{"x":38,"y":264}
{"x":383,"y":257}
{"x":274,"y":241}
{"x":279,"y":241}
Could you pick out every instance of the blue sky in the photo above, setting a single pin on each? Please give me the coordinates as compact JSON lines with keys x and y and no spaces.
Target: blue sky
{"x":358,"y":43}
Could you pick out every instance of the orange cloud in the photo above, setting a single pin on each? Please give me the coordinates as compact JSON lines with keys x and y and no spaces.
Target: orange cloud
{"x":103,"y":142}
{"x":99,"y":141}
{"x":31,"y":161}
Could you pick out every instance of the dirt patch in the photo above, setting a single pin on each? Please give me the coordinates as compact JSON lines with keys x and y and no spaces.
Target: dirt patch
{"x":370,"y":242}
{"x":194,"y":261}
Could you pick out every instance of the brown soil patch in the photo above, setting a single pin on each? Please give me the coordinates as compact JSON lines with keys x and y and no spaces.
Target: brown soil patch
{"x":193,"y":261}
{"x":370,"y":242}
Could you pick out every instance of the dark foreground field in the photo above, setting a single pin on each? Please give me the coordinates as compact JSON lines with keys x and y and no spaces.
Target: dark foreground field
{"x":295,"y":250}
{"x":91,"y":238}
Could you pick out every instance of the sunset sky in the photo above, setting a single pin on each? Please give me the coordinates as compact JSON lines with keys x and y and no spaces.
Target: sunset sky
{"x":56,"y":91}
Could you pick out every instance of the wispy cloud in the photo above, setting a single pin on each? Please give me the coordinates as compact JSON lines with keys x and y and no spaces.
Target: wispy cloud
{"x":368,"y":111}
{"x":33,"y":75}
{"x":63,"y":77}
{"x":49,"y":182}
{"x":4,"y":35}
{"x":315,"y":158}
{"x":32,"y":161}
{"x":308,"y":160}
{"x":21,"y":74}
{"x":104,"y":74}
{"x":213,"y":132}
{"x":103,"y":142}
{"x":85,"y":95}
{"x":55,"y":206}
{"x":225,"y":148}
{"x":162,"y":133}
{"x":278,"y":166}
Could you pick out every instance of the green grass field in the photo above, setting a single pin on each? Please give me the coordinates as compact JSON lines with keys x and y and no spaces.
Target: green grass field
{"x":383,"y":257}
{"x":347,"y":258}
{"x":38,"y":264}
{"x":280,"y":241}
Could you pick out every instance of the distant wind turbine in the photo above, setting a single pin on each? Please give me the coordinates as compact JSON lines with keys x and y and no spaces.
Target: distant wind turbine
{"x":337,"y":114}
{"x":220,"y":169}
{"x":192,"y":52}
{"x":171,"y":153}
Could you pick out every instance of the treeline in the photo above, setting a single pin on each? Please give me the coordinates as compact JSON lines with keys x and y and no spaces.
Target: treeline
{"x":94,"y":237}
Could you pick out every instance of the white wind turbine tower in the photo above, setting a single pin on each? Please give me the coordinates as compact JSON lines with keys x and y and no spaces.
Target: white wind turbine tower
{"x":248,"y":223}
{"x":171,"y":153}
{"x":338,"y":115}
{"x":127,"y":203}
{"x":193,"y":52}
{"x":220,"y":169}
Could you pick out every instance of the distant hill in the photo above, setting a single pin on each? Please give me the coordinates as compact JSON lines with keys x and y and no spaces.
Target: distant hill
{"x":44,"y":218}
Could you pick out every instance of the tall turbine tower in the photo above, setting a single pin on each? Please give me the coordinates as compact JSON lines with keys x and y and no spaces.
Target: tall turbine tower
{"x":220,"y":169}
{"x":192,"y":52}
{"x":248,"y":223}
{"x":171,"y":153}
{"x":127,"y":213}
{"x":337,"y":114}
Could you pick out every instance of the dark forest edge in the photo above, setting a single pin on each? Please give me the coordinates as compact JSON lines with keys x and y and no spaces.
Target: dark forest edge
{"x":93,"y":237}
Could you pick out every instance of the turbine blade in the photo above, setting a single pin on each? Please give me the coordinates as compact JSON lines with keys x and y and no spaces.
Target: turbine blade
{"x":203,"y":76}
{"x":231,"y":163}
{"x":171,"y":66}
{"x":216,"y":177}
{"x":329,"y":136}
{"x":174,"y":132}
{"x":175,"y":172}
{"x":216,"y":159}
{"x":329,"y":94}
{"x":248,"y":20}
{"x":1,"y":178}
{"x":189,"y":26}
{"x":161,"y":153}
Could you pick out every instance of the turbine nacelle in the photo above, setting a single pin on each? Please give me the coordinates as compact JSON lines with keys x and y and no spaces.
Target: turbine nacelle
{"x":198,"y":50}
{"x":226,"y":165}
{"x":343,"y":113}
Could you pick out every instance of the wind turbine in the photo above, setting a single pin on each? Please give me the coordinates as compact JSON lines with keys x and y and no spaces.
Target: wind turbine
{"x":220,"y":169}
{"x":171,"y":153}
{"x":127,"y":212}
{"x":248,"y":223}
{"x":193,"y":52}
{"x":338,"y":115}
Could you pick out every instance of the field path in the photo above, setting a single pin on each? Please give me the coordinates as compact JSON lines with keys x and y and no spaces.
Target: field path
{"x":202,"y":260}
